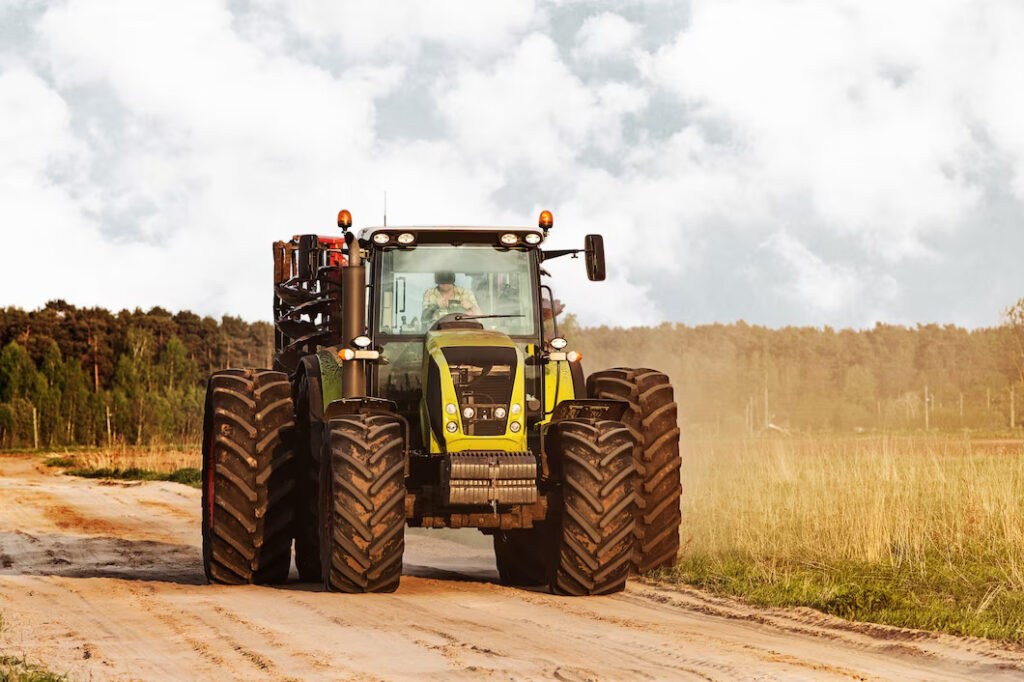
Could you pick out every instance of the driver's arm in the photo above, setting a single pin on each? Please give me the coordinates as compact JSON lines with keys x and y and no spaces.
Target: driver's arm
{"x":469,"y":302}
{"x":431,"y":306}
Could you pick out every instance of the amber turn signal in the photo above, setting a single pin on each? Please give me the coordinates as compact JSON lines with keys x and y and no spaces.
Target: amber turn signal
{"x":344,"y":219}
{"x":574,"y":356}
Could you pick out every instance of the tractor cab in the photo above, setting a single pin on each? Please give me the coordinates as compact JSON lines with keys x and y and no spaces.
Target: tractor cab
{"x":463,"y":303}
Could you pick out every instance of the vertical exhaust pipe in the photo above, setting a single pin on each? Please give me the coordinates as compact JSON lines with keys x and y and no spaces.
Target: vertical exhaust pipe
{"x":353,"y":318}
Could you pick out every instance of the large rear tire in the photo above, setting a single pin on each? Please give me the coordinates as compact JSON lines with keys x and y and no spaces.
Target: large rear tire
{"x":247,"y":477}
{"x":593,"y":524}
{"x":309,"y":437}
{"x":362,"y":503}
{"x":653,"y":413}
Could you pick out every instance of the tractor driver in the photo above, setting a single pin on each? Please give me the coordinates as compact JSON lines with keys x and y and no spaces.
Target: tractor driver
{"x":446,"y":298}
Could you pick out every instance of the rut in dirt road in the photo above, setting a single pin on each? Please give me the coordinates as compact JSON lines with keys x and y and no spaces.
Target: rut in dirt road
{"x":104,"y":581}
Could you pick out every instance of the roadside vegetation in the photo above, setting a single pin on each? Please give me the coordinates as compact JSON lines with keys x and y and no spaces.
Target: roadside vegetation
{"x":17,"y":669}
{"x":130,"y":463}
{"x":921,"y":532}
{"x":14,"y":669}
{"x":74,"y":377}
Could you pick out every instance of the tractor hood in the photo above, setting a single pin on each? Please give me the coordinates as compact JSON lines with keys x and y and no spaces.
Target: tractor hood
{"x":474,"y":393}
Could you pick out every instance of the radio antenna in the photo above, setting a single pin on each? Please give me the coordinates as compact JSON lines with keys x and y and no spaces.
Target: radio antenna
{"x":385,"y":208}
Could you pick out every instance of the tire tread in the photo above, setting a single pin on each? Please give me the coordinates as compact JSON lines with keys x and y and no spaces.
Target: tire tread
{"x":248,"y":472}
{"x":653,"y":413}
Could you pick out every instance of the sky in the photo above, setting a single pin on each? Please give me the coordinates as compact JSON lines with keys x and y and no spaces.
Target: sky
{"x":784,"y":162}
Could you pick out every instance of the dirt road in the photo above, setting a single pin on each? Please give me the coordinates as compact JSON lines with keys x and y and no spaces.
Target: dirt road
{"x":104,"y":581}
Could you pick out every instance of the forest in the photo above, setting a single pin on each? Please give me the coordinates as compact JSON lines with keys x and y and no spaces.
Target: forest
{"x":90,"y":377}
{"x":87,"y":376}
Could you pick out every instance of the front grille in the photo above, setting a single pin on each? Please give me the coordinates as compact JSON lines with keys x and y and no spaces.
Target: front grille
{"x":483,"y":378}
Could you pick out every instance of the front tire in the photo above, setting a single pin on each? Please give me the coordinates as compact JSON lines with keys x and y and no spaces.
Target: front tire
{"x":362,"y":503}
{"x":594,"y":524}
{"x":247,"y":477}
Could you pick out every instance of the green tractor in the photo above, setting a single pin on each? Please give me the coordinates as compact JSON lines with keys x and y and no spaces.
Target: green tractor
{"x":419,"y":378}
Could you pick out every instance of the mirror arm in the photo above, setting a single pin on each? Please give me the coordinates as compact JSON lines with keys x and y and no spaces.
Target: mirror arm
{"x":558,"y":253}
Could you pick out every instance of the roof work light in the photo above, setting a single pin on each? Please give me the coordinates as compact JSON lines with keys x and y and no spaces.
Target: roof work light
{"x":546,"y":221}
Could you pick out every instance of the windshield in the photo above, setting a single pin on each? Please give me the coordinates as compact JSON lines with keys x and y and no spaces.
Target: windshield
{"x":421,"y":285}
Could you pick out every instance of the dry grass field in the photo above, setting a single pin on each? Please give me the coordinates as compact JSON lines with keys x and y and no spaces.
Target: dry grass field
{"x":177,"y":464}
{"x":912,"y":531}
{"x":161,"y":459}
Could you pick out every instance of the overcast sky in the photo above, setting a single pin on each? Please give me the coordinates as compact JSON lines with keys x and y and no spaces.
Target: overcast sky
{"x":787,"y":162}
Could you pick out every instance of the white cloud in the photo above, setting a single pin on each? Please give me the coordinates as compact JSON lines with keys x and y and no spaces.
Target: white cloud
{"x":35,"y":133}
{"x":605,"y":36}
{"x":828,"y":287}
{"x":833,"y":106}
{"x":382,"y":30}
{"x":167,"y":146}
{"x":185,"y":67}
{"x":530,"y":112}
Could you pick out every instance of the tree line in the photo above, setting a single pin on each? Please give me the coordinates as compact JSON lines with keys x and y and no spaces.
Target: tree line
{"x":87,"y":376}
{"x":740,"y":378}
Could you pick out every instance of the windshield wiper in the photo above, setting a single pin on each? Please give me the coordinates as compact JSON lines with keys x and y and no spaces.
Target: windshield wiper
{"x":482,"y":317}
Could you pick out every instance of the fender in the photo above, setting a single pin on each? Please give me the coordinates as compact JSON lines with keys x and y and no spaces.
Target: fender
{"x":329,"y":374}
{"x":367,"y":405}
{"x":589,"y":409}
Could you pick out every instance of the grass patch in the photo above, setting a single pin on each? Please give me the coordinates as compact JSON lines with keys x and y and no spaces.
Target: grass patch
{"x":940,"y":598}
{"x":165,"y":459}
{"x":63,"y":462}
{"x":187,"y":476}
{"x":923,"y":532}
{"x":14,"y":669}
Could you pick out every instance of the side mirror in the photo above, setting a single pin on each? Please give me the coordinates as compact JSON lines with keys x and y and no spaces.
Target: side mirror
{"x":594,"y":244}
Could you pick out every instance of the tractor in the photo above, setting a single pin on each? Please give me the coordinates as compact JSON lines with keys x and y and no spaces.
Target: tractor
{"x":419,"y":379}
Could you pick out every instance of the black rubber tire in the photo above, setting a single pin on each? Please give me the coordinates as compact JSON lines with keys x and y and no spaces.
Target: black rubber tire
{"x":308,"y":438}
{"x":653,"y":413}
{"x":248,"y":477}
{"x":519,"y":554}
{"x":592,"y":530}
{"x":362,"y":503}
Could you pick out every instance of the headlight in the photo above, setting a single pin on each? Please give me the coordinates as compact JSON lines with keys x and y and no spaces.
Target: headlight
{"x":499,"y":412}
{"x":450,"y":408}
{"x":514,"y":427}
{"x":509,"y":239}
{"x":516,"y":408}
{"x":381,"y":238}
{"x":468,"y":412}
{"x":532,"y":238}
{"x":406,"y":238}
{"x":451,"y":427}
{"x":361,"y":342}
{"x":558,"y":343}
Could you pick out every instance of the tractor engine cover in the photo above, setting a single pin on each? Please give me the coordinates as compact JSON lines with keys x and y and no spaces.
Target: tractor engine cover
{"x":489,"y":478}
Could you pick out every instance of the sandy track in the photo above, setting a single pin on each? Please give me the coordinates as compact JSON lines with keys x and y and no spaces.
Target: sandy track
{"x":104,"y":581}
